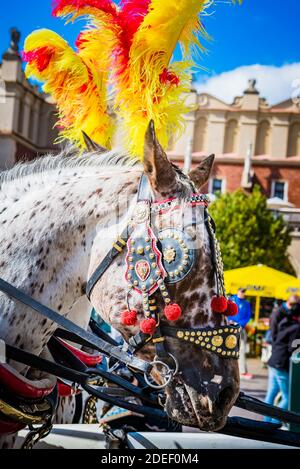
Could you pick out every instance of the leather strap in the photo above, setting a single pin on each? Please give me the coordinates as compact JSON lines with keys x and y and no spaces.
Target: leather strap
{"x":105,"y":264}
{"x":93,"y":341}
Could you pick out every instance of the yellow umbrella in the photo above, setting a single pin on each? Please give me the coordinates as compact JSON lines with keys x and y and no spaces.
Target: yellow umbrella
{"x":292,"y":287}
{"x":261,"y":281}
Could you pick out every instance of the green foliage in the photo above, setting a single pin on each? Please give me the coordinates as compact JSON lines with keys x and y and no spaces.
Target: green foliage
{"x":249,"y":233}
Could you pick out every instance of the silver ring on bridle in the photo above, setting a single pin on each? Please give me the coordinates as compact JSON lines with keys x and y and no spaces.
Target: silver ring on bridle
{"x":166,"y":376}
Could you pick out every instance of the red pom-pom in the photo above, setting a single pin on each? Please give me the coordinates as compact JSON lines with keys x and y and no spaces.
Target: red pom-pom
{"x":232,"y":308}
{"x":148,"y":326}
{"x":129,"y":318}
{"x":172,"y":312}
{"x":219,"y":304}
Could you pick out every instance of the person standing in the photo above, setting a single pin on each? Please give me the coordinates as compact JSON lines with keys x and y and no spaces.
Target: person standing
{"x":280,"y":312}
{"x":242,"y":318}
{"x":285,"y":343}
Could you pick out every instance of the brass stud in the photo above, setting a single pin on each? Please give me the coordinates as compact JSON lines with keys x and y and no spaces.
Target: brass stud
{"x":187,"y":333}
{"x":198,"y":333}
{"x":131,"y":267}
{"x":208,"y":346}
{"x":176,"y":272}
{"x":203,"y":344}
{"x":231,"y":341}
{"x":167,"y":300}
{"x":226,"y":330}
{"x":206,"y":339}
{"x":186,"y":338}
{"x":214,"y":348}
{"x":171,"y":274}
{"x":135,"y":283}
{"x":219,"y":350}
{"x":163,"y":287}
{"x":186,"y":257}
{"x":152,"y":256}
{"x":192,"y":339}
{"x":215,"y":332}
{"x":180,"y":268}
{"x":193,"y":333}
{"x":220,"y":331}
{"x":129,"y":276}
{"x":130,"y":259}
{"x":165,"y":293}
{"x":223,"y":353}
{"x":180,"y":334}
{"x":209,"y":333}
{"x":217,"y":341}
{"x":204,"y":334}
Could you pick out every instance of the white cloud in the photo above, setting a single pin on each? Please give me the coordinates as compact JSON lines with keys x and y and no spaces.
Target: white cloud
{"x":276,"y":84}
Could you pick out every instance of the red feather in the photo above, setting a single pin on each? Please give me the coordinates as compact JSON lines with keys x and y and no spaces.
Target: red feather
{"x":107,"y":6}
{"x":40,"y":56}
{"x":130,"y":18}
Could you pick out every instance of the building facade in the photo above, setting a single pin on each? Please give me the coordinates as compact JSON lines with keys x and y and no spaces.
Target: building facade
{"x":254,"y":143}
{"x":27,"y":116}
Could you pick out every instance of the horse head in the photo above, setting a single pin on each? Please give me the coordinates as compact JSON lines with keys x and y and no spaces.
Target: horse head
{"x":191,"y":335}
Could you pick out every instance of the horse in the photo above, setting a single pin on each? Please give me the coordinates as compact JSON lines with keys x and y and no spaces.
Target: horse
{"x":60,"y":215}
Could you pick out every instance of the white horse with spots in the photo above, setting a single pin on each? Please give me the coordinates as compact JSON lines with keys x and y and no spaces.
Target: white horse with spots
{"x":59,"y":216}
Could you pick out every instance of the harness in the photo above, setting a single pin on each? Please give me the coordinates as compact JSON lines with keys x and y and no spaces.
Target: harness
{"x":154,"y":261}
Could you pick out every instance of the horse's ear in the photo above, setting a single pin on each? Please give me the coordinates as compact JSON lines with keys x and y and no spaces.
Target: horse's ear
{"x":200,"y":175}
{"x":158,"y":168}
{"x":91,"y":145}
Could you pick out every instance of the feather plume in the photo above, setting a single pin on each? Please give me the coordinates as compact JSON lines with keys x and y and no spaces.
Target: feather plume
{"x":73,"y":79}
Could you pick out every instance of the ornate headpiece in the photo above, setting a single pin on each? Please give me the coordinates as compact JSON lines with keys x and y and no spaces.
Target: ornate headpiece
{"x":126,"y":49}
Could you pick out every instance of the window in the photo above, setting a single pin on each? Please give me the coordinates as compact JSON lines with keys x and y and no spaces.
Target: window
{"x":200,"y":137}
{"x":279,"y":190}
{"x":216,"y":186}
{"x":231,"y":137}
{"x":294,"y":140}
{"x":263,"y":139}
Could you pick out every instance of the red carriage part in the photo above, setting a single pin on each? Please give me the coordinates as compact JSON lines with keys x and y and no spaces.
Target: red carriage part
{"x":23,"y":387}
{"x":9,"y":428}
{"x":64,"y":390}
{"x":88,"y":359}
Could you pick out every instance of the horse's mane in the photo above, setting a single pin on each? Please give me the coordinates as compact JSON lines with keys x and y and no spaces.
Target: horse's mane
{"x":68,"y":158}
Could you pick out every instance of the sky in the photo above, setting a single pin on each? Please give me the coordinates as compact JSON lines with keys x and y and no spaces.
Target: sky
{"x":259,"y":39}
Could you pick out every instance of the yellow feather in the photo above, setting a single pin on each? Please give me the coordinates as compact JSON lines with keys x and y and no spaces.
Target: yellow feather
{"x":141,"y":93}
{"x":76,"y":84}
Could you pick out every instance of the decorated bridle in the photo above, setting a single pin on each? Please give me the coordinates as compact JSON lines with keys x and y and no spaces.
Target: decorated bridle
{"x":156,"y":260}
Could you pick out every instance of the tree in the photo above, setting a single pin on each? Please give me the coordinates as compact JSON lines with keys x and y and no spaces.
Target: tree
{"x":249,"y":233}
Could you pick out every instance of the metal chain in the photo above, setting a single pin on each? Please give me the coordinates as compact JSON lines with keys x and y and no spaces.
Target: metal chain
{"x":36,"y":434}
